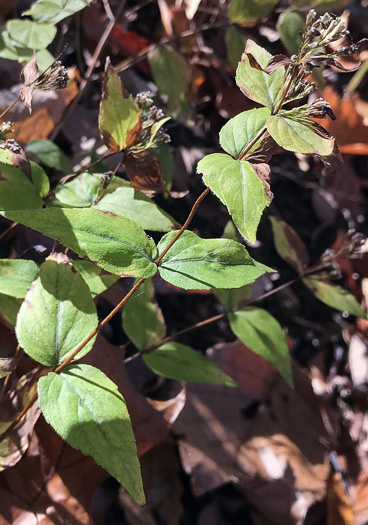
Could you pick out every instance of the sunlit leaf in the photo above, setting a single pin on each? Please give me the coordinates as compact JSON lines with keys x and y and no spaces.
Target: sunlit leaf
{"x":30,"y":34}
{"x":80,"y":192}
{"x":263,"y":334}
{"x":50,"y":155}
{"x":258,"y":85}
{"x":240,"y":132}
{"x":57,"y":314}
{"x":202,"y":264}
{"x":96,"y":280}
{"x":119,"y":117}
{"x":16,"y":276}
{"x":54,"y":11}
{"x":115,"y":243}
{"x":299,"y":134}
{"x":238,"y":187}
{"x":180,"y":362}
{"x":143,"y":321}
{"x":87,"y":410}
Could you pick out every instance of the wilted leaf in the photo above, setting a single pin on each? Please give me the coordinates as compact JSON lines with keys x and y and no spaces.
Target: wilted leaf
{"x":289,"y":245}
{"x":261,"y":333}
{"x":257,"y":85}
{"x":60,"y":300}
{"x":96,"y":280}
{"x":87,"y":410}
{"x":247,"y":12}
{"x":180,"y":362}
{"x":51,"y":11}
{"x":170,"y":73}
{"x":144,"y":170}
{"x":238,"y":187}
{"x":202,"y":264}
{"x":335,"y":296}
{"x":119,"y":116}
{"x":50,"y":155}
{"x":115,"y":243}
{"x":301,"y":135}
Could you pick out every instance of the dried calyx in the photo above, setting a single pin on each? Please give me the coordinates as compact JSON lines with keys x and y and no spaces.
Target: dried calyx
{"x":53,"y":78}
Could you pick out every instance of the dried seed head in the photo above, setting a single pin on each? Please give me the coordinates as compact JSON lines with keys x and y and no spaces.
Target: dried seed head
{"x":321,"y":109}
{"x":11,"y":145}
{"x":53,"y":78}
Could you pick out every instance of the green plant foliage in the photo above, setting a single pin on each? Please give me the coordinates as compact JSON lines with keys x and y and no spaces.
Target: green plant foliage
{"x":290,"y":26}
{"x":170,"y":73}
{"x":289,"y":245}
{"x":9,"y":308}
{"x":119,"y":116}
{"x":202,"y":264}
{"x":50,"y":155}
{"x":115,"y":243}
{"x":16,"y":276}
{"x":334,"y":296}
{"x":30,"y":35}
{"x":256,"y":84}
{"x":241,"y":131}
{"x":54,"y":11}
{"x":230,"y":298}
{"x":57,"y":314}
{"x":264,"y":336}
{"x":18,"y":192}
{"x":80,"y":192}
{"x":134,"y":205}
{"x":321,"y":6}
{"x":87,"y":410}
{"x":235,"y":44}
{"x":294,"y":132}
{"x":143,"y":321}
{"x":238,"y":187}
{"x":166,"y":158}
{"x":94,"y":277}
{"x":182,"y":363}
{"x":246,"y":13}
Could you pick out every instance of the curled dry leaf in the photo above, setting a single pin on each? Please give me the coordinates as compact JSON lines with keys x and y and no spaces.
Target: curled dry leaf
{"x":144,"y":171}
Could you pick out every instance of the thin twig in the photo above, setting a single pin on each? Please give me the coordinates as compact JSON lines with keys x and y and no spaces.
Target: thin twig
{"x":107,"y":185}
{"x":9,"y":107}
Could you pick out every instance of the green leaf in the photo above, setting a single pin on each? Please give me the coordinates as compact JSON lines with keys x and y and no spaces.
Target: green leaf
{"x":180,"y":362}
{"x":201,"y":264}
{"x":299,"y":134}
{"x":231,"y":298}
{"x":31,"y":35}
{"x":143,"y":321}
{"x":87,"y":410}
{"x":81,"y":192}
{"x":235,"y":44}
{"x":41,"y":181}
{"x":17,"y":191}
{"x":119,"y":117}
{"x":257,"y":85}
{"x":240,"y":131}
{"x":16,"y":276}
{"x":290,"y":26}
{"x":115,"y":243}
{"x":9,"y":308}
{"x":260,"y":332}
{"x":134,"y":204}
{"x":335,"y":296}
{"x":170,"y":73}
{"x":246,"y":13}
{"x":57,"y":314}
{"x":54,"y":11}
{"x":289,"y":245}
{"x":165,"y":156}
{"x":96,"y":281}
{"x":238,"y":187}
{"x":50,"y":155}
